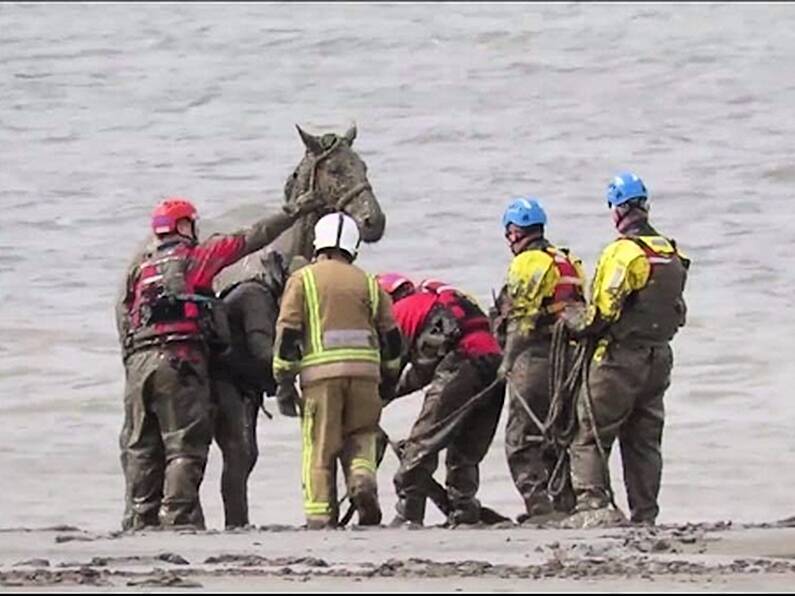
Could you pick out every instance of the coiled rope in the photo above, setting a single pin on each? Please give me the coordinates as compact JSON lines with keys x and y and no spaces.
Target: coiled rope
{"x":570,"y":363}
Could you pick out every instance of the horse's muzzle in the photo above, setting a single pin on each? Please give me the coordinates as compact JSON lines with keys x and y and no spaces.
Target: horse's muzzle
{"x":373,"y":226}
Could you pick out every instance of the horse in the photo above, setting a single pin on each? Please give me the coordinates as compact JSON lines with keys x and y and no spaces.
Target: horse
{"x":332,"y":170}
{"x":335,"y":173}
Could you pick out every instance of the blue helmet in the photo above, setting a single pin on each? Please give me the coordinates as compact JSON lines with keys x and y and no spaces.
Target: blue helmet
{"x":625,"y":187}
{"x":524,"y":213}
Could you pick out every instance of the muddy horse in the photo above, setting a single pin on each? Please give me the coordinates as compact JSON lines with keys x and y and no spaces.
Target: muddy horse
{"x":333,"y":171}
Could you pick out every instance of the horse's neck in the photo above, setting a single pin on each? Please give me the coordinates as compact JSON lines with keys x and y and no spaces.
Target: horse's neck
{"x":294,"y":241}
{"x":297,"y":240}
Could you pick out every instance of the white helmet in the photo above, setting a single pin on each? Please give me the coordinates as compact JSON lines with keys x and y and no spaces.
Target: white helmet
{"x":337,"y":230}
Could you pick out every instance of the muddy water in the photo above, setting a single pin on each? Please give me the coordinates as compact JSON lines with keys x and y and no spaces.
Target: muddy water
{"x":106,"y":108}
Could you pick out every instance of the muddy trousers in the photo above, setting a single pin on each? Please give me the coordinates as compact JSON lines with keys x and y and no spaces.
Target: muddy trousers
{"x":166,"y":435}
{"x":235,"y":431}
{"x":339,"y":423}
{"x":456,"y":379}
{"x":530,"y":460}
{"x":626,"y":386}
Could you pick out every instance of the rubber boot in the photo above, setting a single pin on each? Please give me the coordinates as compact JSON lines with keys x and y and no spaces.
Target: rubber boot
{"x":320,"y":522}
{"x":464,"y":514}
{"x":539,"y":509}
{"x":410,"y":512}
{"x":364,"y":495}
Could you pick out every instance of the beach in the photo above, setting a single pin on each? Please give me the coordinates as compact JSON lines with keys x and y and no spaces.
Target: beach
{"x":459,"y":108}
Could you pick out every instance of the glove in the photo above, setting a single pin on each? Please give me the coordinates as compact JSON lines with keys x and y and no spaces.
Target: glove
{"x":305,"y":203}
{"x":574,"y":317}
{"x":287,"y":399}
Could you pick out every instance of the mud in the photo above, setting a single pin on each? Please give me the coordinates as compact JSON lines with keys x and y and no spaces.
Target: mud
{"x":660,"y":557}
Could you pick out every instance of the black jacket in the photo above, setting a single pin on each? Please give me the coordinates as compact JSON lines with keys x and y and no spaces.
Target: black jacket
{"x":252,"y":310}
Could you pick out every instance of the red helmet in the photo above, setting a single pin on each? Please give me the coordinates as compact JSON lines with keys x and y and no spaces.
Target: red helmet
{"x":169,"y":212}
{"x":435,"y":286}
{"x":396,"y":284}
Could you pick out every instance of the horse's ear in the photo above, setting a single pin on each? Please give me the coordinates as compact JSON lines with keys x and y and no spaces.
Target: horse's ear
{"x":310,"y":142}
{"x":350,"y":135}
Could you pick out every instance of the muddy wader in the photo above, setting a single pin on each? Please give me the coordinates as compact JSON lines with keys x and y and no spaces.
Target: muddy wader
{"x":167,"y":323}
{"x":638,"y":306}
{"x":542,"y":281}
{"x":456,"y":379}
{"x":451,"y":352}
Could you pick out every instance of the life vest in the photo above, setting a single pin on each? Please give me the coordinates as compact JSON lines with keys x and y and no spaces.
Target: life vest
{"x":166,"y":305}
{"x":568,"y":290}
{"x":654,"y":313}
{"x":476,"y":337}
{"x":412,"y":312}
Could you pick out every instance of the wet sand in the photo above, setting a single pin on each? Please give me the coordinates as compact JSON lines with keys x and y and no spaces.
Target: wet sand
{"x":681,"y":558}
{"x":460,"y":108}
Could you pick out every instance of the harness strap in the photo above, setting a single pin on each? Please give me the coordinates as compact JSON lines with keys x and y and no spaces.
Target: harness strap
{"x":352,"y":194}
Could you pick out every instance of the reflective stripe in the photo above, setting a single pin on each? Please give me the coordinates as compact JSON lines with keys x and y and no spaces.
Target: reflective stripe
{"x":366,"y":459}
{"x":574,"y":281}
{"x":306,"y":451}
{"x":313,"y":308}
{"x":167,"y":258}
{"x":618,"y":276}
{"x":348,"y":338}
{"x":318,"y":508}
{"x":535,"y":279}
{"x":360,"y":463}
{"x":337,"y":354}
{"x":280,"y":365}
{"x":318,"y":353}
{"x":310,"y":506}
{"x":151,"y":279}
{"x":372,"y":286}
{"x":657,"y":241}
{"x":659,"y":260}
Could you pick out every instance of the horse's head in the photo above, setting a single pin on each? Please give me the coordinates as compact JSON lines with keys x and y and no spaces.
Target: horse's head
{"x":336,"y":173}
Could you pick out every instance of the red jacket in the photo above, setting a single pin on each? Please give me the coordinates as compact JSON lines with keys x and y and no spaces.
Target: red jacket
{"x":476,"y":339}
{"x":178,"y":269}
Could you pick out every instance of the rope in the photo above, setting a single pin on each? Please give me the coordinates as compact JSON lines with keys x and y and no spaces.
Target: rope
{"x":565,"y":375}
{"x":440,"y":432}
{"x":597,"y":438}
{"x":569,"y":371}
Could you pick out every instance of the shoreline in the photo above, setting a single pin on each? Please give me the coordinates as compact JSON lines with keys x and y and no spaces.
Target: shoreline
{"x":683,"y":557}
